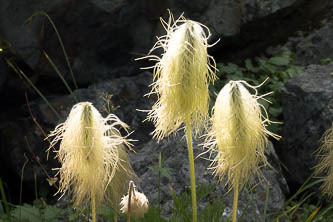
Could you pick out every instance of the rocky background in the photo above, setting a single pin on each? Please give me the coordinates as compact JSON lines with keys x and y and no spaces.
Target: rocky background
{"x":103,"y":37}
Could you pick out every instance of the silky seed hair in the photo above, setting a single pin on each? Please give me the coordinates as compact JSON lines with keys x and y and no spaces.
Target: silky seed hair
{"x":139,"y":204}
{"x":238,"y":134}
{"x":89,"y":153}
{"x":118,"y":185}
{"x":325,"y":162}
{"x":181,"y":76}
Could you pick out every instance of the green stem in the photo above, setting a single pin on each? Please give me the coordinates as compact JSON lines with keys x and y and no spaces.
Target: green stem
{"x":4,"y":199}
{"x":60,"y":76}
{"x":59,"y":38}
{"x":192,"y":171}
{"x":93,"y":206}
{"x":234,"y":210}
{"x":19,"y":71}
{"x":159,"y":181}
{"x":115,"y":217}
{"x":130,"y":190}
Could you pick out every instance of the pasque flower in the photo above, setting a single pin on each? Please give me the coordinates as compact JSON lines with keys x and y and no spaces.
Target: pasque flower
{"x":238,"y":135}
{"x":94,"y":162}
{"x":181,"y":76}
{"x":134,"y":203}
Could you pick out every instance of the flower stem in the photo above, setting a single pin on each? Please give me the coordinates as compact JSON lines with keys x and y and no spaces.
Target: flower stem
{"x":234,"y":210}
{"x":115,"y":217}
{"x":130,"y":190}
{"x":192,"y":171}
{"x":93,"y":206}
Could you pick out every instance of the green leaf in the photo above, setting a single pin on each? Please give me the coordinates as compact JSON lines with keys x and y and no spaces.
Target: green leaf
{"x":249,"y":66}
{"x":27,"y":213}
{"x":275,"y":111}
{"x":279,"y":61}
{"x":231,"y":68}
{"x":73,"y":216}
{"x":179,"y":205}
{"x":52,"y":213}
{"x":165,"y":172}
{"x":204,"y":190}
{"x":294,"y":70}
{"x":269,"y":68}
{"x":326,"y":61}
{"x":213,"y":212}
{"x":313,"y":214}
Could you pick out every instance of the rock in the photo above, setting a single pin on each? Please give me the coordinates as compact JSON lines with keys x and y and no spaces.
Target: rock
{"x":307,"y":110}
{"x":175,"y":159}
{"x":122,"y":96}
{"x":252,"y":10}
{"x":226,"y":17}
{"x":23,"y":38}
{"x":103,"y":37}
{"x":127,"y":96}
{"x":313,"y":47}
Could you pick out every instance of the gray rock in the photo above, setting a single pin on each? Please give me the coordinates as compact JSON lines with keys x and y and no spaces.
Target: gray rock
{"x":313,"y":47}
{"x":307,"y":109}
{"x":25,"y":39}
{"x":258,"y":9}
{"x":102,"y":37}
{"x":127,"y":94}
{"x":175,"y":157}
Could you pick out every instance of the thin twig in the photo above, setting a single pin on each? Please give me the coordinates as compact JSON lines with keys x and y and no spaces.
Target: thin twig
{"x":34,"y":118}
{"x":36,"y":158}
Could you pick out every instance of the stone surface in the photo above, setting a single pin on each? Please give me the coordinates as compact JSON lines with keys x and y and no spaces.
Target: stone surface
{"x":127,"y":94}
{"x":308,"y":111}
{"x":311,"y":48}
{"x":103,"y":37}
{"x":258,"y":9}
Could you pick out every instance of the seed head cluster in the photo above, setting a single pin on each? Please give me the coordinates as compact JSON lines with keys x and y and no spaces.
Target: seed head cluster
{"x":91,"y":153}
{"x":181,"y":77}
{"x":238,"y":135}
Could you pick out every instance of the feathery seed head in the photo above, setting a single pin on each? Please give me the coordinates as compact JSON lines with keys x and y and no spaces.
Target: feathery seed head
{"x":139,"y":204}
{"x":325,"y":161}
{"x":181,"y":77}
{"x":89,"y":153}
{"x":238,"y":135}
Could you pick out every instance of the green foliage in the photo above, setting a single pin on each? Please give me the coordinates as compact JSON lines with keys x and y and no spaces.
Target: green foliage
{"x":34,"y":213}
{"x":213,"y":211}
{"x":306,"y":205}
{"x":278,"y":68}
{"x":326,"y":61}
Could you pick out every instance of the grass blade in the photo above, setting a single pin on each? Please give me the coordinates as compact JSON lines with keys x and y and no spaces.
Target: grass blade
{"x":179,"y":205}
{"x":60,"y":75}
{"x":313,"y":214}
{"x":35,"y":88}
{"x":4,"y":199}
{"x":59,"y":38}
